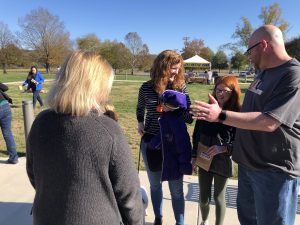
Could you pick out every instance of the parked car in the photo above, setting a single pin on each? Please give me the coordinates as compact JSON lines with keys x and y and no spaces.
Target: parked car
{"x":243,"y":74}
{"x":231,"y":71}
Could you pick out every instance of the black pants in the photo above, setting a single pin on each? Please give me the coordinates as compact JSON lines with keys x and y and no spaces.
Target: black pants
{"x":205,"y":184}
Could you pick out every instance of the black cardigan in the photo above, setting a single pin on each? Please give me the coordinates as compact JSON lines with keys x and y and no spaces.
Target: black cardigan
{"x":82,"y":170}
{"x":210,"y":134}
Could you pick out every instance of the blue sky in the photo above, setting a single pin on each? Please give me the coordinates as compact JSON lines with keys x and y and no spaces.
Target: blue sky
{"x":161,"y":23}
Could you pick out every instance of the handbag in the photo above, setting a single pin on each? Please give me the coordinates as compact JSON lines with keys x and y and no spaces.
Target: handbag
{"x":154,"y":153}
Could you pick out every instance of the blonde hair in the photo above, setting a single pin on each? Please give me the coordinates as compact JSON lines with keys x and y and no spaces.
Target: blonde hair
{"x":82,"y":84}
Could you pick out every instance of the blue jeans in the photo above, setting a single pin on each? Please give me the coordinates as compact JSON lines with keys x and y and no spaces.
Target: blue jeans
{"x":36,"y":97}
{"x":266,"y":197}
{"x":175,"y":187}
{"x":5,"y":124}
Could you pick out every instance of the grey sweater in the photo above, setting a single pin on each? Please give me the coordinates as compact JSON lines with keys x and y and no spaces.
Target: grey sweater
{"x":82,"y":171}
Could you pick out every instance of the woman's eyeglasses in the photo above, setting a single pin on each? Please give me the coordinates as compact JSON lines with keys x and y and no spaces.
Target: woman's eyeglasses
{"x":221,"y":91}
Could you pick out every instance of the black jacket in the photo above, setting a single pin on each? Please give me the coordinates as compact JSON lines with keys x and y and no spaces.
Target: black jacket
{"x":210,"y":134}
{"x":4,"y":96}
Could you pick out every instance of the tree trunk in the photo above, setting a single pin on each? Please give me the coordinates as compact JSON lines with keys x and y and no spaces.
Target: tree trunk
{"x":47,"y":67}
{"x":4,"y":68}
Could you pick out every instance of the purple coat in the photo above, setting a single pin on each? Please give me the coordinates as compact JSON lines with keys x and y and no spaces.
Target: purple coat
{"x":174,"y":98}
{"x":176,"y":145}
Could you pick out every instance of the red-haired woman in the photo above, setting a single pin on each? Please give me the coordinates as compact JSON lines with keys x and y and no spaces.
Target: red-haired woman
{"x":218,"y":138}
{"x":166,"y":73}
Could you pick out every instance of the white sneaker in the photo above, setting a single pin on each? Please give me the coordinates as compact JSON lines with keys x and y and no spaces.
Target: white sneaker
{"x":204,"y":222}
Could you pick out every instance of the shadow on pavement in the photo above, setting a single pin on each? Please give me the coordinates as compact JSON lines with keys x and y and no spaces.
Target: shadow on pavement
{"x":5,"y":153}
{"x":15,"y":213}
{"x":230,"y":196}
{"x":5,"y":160}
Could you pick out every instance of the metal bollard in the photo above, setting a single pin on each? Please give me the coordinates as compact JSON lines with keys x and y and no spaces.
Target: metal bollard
{"x":28,"y":116}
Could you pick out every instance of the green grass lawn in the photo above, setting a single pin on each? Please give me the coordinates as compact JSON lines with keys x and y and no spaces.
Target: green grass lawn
{"x":123,"y":96}
{"x":13,"y":76}
{"x":20,"y":76}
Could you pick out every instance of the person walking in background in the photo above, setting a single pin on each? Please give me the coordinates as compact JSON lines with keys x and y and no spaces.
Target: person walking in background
{"x":166,"y":73}
{"x":210,"y":78}
{"x":84,"y":172}
{"x":35,"y":82}
{"x":218,"y":139}
{"x":267,"y":143}
{"x":5,"y":124}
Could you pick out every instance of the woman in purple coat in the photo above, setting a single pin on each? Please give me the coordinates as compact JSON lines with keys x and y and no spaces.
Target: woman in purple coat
{"x":166,"y":73}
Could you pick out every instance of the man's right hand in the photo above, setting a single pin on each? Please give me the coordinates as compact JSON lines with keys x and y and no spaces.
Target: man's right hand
{"x":206,"y":111}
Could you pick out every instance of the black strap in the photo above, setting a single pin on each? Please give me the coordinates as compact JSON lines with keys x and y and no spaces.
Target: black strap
{"x":6,"y":97}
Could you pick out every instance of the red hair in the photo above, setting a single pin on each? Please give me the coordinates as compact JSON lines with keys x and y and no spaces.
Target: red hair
{"x":231,"y":82}
{"x":160,"y":71}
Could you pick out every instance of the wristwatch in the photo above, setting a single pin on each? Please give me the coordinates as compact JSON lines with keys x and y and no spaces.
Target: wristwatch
{"x":222,"y":116}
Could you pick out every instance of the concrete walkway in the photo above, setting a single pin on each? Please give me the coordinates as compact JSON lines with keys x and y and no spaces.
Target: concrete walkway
{"x":16,"y":198}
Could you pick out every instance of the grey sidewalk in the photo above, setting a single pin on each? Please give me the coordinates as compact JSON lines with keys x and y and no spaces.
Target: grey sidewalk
{"x":17,"y":195}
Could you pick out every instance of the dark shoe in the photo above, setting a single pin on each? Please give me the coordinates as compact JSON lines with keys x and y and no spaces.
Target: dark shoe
{"x":157,"y":221}
{"x":12,"y":161}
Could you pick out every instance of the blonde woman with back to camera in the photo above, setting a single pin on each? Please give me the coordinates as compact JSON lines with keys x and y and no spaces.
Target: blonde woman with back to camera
{"x":78,"y":159}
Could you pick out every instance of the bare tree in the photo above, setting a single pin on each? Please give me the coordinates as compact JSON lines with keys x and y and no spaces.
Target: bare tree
{"x":135,"y":45}
{"x":7,"y":44}
{"x":145,"y":60}
{"x":45,"y":34}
